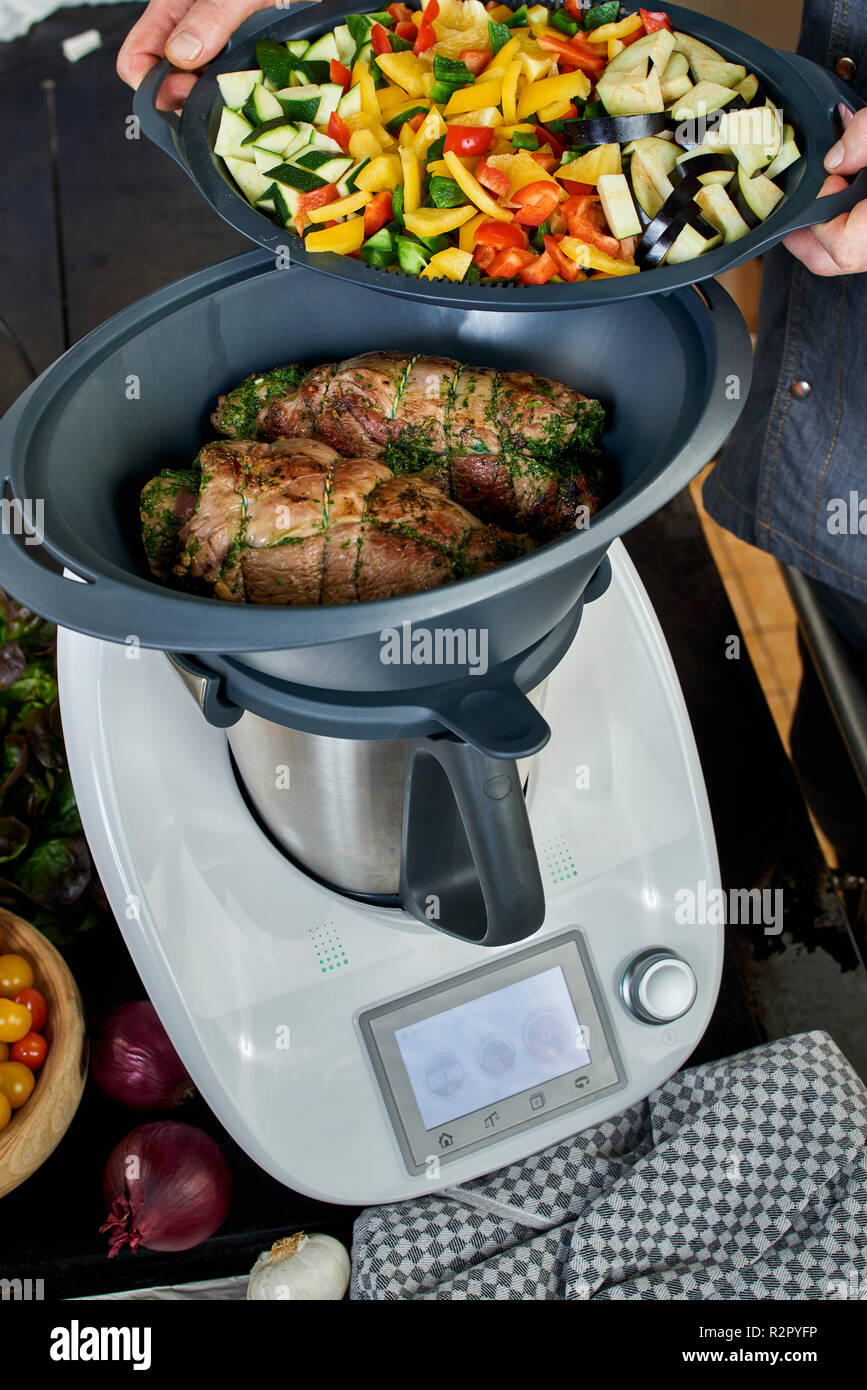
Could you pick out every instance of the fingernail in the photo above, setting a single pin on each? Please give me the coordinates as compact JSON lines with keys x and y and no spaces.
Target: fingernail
{"x":835,"y":156}
{"x":846,"y":116}
{"x":183,"y":48}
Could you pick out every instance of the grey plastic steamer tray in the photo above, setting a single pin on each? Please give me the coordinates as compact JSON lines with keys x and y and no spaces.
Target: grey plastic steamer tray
{"x":807,"y":93}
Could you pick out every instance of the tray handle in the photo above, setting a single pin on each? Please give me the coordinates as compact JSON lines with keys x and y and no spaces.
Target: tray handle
{"x":830,"y":86}
{"x":162,"y":127}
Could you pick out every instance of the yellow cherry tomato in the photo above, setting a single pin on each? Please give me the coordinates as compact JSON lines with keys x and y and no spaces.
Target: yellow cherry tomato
{"x":15,"y":975}
{"x":5,"y":1111}
{"x":16,"y":1083}
{"x":15,"y":1021}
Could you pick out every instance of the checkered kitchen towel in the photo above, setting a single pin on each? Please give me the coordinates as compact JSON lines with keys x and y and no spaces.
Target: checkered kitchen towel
{"x":742,"y":1179}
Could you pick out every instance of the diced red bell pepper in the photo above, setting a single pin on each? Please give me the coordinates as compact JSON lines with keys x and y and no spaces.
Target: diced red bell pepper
{"x":339,"y":74}
{"x":654,"y":19}
{"x":338,"y":130}
{"x":576,"y":189}
{"x":576,"y":10}
{"x":496,"y":181}
{"x":535,"y":202}
{"x":377,"y":212}
{"x":379,"y":39}
{"x":475,"y":59}
{"x":500,"y":235}
{"x":401,"y":14}
{"x":566,"y":268}
{"x":586,"y":220}
{"x":572,"y":55}
{"x":483,"y":256}
{"x":406,"y":30}
{"x":538,"y":271}
{"x":468,"y":139}
{"x":546,"y":160}
{"x":506,"y":264}
{"x":426,"y":38}
{"x":318,"y":198}
{"x":546,"y":138}
{"x":416,"y":122}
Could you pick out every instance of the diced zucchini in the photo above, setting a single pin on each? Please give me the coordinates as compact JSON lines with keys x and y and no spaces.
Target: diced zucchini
{"x":302,"y":180}
{"x":320,"y":141}
{"x":618,"y":206}
{"x":345,"y":45}
{"x":274,"y":135}
{"x":286,"y":202}
{"x":266,"y":159}
{"x":721,"y":212}
{"x":690,"y":245}
{"x":324,"y":49}
{"x":330,"y":94}
{"x":302,"y":140}
{"x":300,"y":103}
{"x":298,"y":47}
{"x":789,"y":154}
{"x":235,"y":87}
{"x":326,"y":165}
{"x":233,"y":131}
{"x":261,"y":106}
{"x":349,"y":179}
{"x":350,"y":103}
{"x":251,"y":182}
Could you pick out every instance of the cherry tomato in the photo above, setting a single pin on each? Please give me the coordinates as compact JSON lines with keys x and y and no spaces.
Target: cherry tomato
{"x":15,"y":1021}
{"x":33,"y":1000}
{"x":30,"y":1051}
{"x":16,"y":1083}
{"x":15,"y":975}
{"x":468,"y":139}
{"x":5,"y":1111}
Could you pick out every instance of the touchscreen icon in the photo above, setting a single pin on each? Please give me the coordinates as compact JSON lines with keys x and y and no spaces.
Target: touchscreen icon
{"x":547,"y":1035}
{"x":496,"y":1055}
{"x":444,"y":1075}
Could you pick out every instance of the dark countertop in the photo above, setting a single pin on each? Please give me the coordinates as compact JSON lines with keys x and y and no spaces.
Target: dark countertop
{"x":93,"y":221}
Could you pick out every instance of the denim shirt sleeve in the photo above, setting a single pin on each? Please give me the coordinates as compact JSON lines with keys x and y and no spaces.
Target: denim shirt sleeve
{"x":793,"y":477}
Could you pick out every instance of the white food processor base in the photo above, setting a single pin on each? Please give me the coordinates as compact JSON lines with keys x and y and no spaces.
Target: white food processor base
{"x":356,"y":1055}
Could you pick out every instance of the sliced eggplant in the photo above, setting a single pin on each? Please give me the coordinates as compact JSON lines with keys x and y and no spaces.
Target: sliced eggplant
{"x":694,"y":239}
{"x":704,"y":99}
{"x":750,"y":90}
{"x":648,"y":197}
{"x":617,"y":204}
{"x":675,"y":81}
{"x":709,"y":166}
{"x":707,"y":65}
{"x":678,"y":209}
{"x":629,"y":93}
{"x":721,"y":212}
{"x":655,"y":49}
{"x":755,"y":198}
{"x":789,"y":154}
{"x":604,"y":130}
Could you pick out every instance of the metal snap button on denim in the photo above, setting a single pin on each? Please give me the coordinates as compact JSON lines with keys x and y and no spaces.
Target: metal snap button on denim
{"x":800,"y":390}
{"x":847,"y":68}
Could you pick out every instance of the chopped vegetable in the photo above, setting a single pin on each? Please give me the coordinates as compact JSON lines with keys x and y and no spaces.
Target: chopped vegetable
{"x":344,"y":238}
{"x":535,"y":202}
{"x":466,"y":140}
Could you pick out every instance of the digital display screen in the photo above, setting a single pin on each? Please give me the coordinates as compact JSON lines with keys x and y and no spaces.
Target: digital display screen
{"x":488,"y":1049}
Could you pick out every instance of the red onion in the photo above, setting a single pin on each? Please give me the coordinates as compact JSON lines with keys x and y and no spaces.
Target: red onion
{"x":167,"y":1186}
{"x":134,"y":1061}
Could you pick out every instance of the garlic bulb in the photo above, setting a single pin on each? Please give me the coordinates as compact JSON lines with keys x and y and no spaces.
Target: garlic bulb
{"x":301,"y":1266}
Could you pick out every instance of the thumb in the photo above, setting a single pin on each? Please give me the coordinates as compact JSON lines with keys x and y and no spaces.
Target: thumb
{"x":849,"y":155}
{"x":205,"y":29}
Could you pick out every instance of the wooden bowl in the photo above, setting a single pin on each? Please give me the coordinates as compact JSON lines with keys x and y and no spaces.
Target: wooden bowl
{"x":37,"y":1127}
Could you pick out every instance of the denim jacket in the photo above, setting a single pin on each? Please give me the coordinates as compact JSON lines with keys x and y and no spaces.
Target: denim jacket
{"x":795,"y":468}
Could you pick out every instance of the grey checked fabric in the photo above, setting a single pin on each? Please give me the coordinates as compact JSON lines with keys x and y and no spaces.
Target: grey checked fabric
{"x":742,"y":1179}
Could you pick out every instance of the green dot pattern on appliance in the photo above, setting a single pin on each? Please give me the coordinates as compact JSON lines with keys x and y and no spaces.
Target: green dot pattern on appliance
{"x":330,"y":951}
{"x":558,"y":860}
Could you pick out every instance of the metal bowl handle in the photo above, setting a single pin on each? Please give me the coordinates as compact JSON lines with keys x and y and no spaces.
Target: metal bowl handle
{"x":468,"y":863}
{"x":836,"y":91}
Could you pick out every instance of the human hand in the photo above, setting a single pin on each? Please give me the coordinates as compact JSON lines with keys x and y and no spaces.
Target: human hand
{"x":187,"y":32}
{"x":838,"y":247}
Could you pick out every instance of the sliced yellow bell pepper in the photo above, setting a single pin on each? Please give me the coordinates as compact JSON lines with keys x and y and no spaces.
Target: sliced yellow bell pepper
{"x":510,"y":91}
{"x":473,"y":189}
{"x":437,"y":221}
{"x":363,"y":144}
{"x":498,"y":65}
{"x":450,"y":264}
{"x":475,"y":97}
{"x":589,"y":167}
{"x":521,"y":168}
{"x":614,"y":47}
{"x":563,"y":88}
{"x":411,"y":165}
{"x":344,"y":238}
{"x":405,"y":69}
{"x":393,"y":99}
{"x":536,"y":62}
{"x":342,"y":208}
{"x":467,"y":234}
{"x":555,"y":112}
{"x":382,"y":172}
{"x":488,"y":115}
{"x":438,"y":166}
{"x":369,"y":101}
{"x":431,"y":128}
{"x":591,"y":258}
{"x":621,"y":30}
{"x":500,"y":13}
{"x":507,"y":131}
